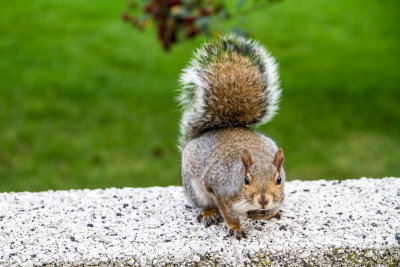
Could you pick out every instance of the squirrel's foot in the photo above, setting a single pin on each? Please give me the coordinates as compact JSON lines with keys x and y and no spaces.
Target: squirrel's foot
{"x":209,"y":217}
{"x":237,"y":233}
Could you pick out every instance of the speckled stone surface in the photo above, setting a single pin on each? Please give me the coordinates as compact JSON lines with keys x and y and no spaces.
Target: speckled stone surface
{"x":323,"y":222}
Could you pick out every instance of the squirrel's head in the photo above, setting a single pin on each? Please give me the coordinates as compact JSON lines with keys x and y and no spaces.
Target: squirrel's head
{"x":263,"y":183}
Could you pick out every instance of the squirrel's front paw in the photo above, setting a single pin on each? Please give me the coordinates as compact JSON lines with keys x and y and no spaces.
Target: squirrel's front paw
{"x":209,"y":217}
{"x":263,"y":215}
{"x":278,"y":216}
{"x":237,"y":233}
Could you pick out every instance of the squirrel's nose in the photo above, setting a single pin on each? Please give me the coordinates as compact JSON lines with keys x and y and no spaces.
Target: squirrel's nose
{"x":263,"y":201}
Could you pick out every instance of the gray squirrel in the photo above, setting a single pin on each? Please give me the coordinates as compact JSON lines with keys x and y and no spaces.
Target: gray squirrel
{"x":229,"y":169}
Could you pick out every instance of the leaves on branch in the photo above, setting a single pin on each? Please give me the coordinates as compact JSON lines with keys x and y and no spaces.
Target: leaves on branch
{"x":177,"y":20}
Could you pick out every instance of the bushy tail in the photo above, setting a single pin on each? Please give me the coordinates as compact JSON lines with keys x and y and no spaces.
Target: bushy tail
{"x":231,"y":81}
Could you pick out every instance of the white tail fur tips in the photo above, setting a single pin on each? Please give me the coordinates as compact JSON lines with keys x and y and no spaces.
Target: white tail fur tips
{"x":201,"y":101}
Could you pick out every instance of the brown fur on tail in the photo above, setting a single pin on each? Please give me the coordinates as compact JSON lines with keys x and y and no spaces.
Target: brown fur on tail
{"x":231,"y":82}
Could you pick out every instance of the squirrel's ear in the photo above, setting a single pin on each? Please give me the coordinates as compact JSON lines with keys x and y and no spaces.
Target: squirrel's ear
{"x":246,"y":159}
{"x":278,"y":159}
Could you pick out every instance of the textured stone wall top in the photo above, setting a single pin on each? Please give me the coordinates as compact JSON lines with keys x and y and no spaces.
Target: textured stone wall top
{"x":353,"y":221}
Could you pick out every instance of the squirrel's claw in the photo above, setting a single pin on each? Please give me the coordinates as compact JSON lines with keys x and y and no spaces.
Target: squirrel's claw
{"x":210,"y":221}
{"x":238,"y":234}
{"x":209,"y":217}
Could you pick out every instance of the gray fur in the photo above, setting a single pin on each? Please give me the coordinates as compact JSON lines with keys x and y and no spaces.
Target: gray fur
{"x":218,"y":149}
{"x":204,"y":161}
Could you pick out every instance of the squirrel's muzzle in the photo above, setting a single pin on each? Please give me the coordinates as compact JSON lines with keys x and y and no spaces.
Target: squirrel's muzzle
{"x":263,"y":201}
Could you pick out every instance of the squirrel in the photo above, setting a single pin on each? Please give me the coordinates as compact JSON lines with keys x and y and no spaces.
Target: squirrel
{"x":228,"y":168}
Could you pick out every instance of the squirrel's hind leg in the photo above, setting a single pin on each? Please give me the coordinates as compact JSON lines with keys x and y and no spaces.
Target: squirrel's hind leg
{"x":209,"y":216}
{"x":202,"y":198}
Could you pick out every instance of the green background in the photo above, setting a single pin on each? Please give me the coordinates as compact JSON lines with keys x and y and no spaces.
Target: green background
{"x":86,"y":101}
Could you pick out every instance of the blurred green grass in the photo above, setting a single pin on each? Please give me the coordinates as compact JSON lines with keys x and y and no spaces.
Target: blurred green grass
{"x":88,"y":102}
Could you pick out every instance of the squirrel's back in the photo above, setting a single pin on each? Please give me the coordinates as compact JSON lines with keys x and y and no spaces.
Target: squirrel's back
{"x":231,"y":82}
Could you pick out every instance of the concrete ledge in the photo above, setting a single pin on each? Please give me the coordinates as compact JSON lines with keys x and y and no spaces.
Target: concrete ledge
{"x":353,"y":222}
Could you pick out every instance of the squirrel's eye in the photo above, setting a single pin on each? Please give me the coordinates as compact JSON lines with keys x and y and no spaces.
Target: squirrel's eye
{"x":246,"y":180}
{"x":278,"y":181}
